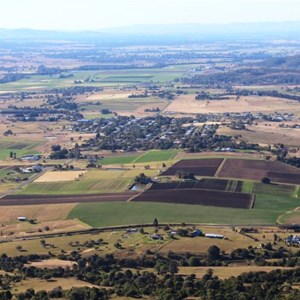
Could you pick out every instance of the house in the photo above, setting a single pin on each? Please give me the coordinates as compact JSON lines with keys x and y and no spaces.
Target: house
{"x":292,"y":240}
{"x":156,"y":237}
{"x":33,"y":169}
{"x":33,"y":157}
{"x":131,"y":230}
{"x":196,"y":232}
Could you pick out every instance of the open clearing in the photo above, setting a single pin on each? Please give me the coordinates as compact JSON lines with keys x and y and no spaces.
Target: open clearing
{"x":188,"y":104}
{"x":9,"y":214}
{"x":226,"y":272}
{"x":57,"y":176}
{"x":49,"y":285}
{"x":118,"y":213}
{"x":265,"y":134}
{"x":24,"y":229}
{"x":52,"y":263}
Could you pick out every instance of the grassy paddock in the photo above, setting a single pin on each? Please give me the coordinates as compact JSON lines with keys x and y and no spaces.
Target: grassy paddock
{"x":117,"y":213}
{"x":156,"y":155}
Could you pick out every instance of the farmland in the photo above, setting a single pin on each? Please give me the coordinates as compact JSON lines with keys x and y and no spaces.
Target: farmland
{"x":197,"y":197}
{"x":62,"y":176}
{"x":189,"y":104}
{"x":160,"y":157}
{"x":278,"y":172}
{"x":20,"y":148}
{"x":203,"y":167}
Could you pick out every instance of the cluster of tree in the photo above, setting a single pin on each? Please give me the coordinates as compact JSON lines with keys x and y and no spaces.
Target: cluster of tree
{"x":143,"y":179}
{"x":185,"y":175}
{"x":62,"y":153}
{"x":74,"y":90}
{"x":271,"y":93}
{"x":208,"y":96}
{"x":157,"y":109}
{"x":43,"y":70}
{"x":8,"y":132}
{"x":10,"y":77}
{"x":294,"y":161}
{"x":144,"y":95}
{"x":164,"y":283}
{"x":245,"y":76}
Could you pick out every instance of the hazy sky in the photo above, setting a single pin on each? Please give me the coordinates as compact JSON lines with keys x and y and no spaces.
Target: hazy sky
{"x":97,"y":14}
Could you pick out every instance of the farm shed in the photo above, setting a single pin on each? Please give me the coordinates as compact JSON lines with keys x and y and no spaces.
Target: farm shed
{"x":214,"y":236}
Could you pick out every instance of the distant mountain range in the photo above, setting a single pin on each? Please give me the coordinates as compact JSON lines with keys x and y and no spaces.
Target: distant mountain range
{"x":187,"y":32}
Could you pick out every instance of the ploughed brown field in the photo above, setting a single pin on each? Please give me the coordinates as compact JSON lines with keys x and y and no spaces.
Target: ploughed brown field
{"x":199,"y":167}
{"x":198,"y":197}
{"x":258,"y":169}
{"x":42,"y":199}
{"x":205,"y":183}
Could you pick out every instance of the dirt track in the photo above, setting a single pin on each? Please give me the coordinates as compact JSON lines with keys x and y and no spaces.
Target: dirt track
{"x":45,"y":199}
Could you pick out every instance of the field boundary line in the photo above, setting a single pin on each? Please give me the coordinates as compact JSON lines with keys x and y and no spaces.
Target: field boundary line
{"x":139,"y":157}
{"x":220,"y":168}
{"x":133,"y":197}
{"x":296,"y":192}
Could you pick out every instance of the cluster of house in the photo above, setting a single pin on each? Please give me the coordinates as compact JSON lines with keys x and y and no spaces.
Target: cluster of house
{"x":32,"y":169}
{"x":292,"y":240}
{"x":172,"y":233}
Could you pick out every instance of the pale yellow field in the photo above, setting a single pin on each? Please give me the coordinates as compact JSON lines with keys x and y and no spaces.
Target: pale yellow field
{"x":188,"y":104}
{"x":265,"y":133}
{"x":52,"y":263}
{"x":43,"y":212}
{"x":24,"y":229}
{"x":183,"y":155}
{"x":109,"y":95}
{"x":49,"y":285}
{"x":57,"y":176}
{"x":226,"y":272}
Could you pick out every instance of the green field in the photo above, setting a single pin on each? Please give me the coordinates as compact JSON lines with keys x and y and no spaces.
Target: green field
{"x":93,"y":181}
{"x":156,"y":155}
{"x":77,"y":187}
{"x":20,"y":148}
{"x":272,"y":201}
{"x":109,"y":214}
{"x":118,"y":160}
{"x":149,"y":156}
{"x":99,"y":78}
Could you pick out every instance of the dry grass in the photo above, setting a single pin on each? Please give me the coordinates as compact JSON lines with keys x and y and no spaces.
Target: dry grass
{"x":59,"y":176}
{"x":226,"y":272}
{"x":108,"y":95}
{"x":188,"y":104}
{"x":265,"y":133}
{"x":9,"y":214}
{"x":48,"y":285}
{"x":183,"y":155}
{"x":52,"y":263}
{"x":24,"y":229}
{"x":234,"y":240}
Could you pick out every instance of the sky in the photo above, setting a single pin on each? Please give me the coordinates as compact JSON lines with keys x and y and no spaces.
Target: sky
{"x":98,"y":14}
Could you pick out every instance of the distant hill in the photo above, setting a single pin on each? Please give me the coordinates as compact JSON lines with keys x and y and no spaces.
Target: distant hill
{"x":256,"y":29}
{"x":160,"y":33}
